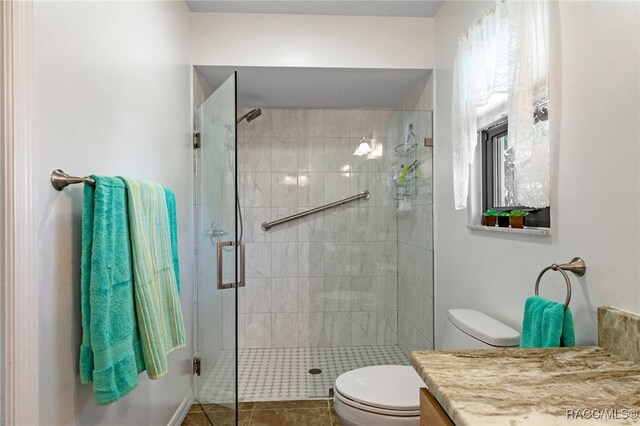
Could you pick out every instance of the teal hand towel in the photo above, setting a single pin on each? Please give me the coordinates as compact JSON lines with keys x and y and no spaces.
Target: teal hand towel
{"x":173,"y":229}
{"x":110,"y":353}
{"x":546,"y":324}
{"x":155,"y":288}
{"x":568,"y":338}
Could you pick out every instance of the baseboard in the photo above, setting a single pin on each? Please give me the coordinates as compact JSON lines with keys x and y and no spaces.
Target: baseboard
{"x":182,"y":410}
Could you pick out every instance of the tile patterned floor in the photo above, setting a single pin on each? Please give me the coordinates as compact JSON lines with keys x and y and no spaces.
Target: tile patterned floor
{"x":282,"y":374}
{"x":317,"y":412}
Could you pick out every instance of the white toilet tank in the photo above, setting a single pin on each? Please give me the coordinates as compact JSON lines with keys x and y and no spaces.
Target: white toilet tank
{"x":471,"y":329}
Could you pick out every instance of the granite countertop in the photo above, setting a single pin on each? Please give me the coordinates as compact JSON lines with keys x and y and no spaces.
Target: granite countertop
{"x":532,"y":386}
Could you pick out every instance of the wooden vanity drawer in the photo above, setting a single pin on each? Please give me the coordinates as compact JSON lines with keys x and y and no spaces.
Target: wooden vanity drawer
{"x":431,"y":413}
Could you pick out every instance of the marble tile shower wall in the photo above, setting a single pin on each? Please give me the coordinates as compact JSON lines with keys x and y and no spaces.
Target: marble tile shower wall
{"x":415,"y":243}
{"x":329,"y":279}
{"x":415,"y":279}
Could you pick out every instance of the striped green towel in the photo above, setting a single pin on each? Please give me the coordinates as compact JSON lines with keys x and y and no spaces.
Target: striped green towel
{"x":155,"y":287}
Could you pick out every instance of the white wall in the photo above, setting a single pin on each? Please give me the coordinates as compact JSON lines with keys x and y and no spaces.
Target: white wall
{"x":201,"y":90}
{"x":594,"y":110}
{"x":112,"y":96}
{"x":245,"y":39}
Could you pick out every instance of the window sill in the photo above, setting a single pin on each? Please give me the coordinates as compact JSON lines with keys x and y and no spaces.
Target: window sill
{"x":528,"y":230}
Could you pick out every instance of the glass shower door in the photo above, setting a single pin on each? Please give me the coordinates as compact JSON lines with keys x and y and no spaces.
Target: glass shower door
{"x":218,"y":255}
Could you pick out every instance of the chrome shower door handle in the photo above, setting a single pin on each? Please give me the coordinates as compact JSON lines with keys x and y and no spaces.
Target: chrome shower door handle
{"x":241,"y":283}
{"x":242,"y":280}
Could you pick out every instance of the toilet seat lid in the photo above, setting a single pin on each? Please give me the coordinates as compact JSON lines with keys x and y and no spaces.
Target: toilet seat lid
{"x":393,"y":387}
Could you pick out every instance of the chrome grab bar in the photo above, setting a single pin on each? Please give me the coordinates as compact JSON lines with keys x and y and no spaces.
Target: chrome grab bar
{"x":268,"y":225}
{"x":241,"y":283}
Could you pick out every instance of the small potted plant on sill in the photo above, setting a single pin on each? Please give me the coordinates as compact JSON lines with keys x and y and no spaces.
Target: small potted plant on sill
{"x":489,"y":218}
{"x":503,"y":219}
{"x":516,"y":218}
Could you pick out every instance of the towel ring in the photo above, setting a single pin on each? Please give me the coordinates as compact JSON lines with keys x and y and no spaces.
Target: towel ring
{"x":577,"y":266}
{"x":566,"y":279}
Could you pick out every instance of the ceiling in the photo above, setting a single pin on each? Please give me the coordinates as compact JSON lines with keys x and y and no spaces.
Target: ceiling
{"x":317,"y":87}
{"x":411,"y":8}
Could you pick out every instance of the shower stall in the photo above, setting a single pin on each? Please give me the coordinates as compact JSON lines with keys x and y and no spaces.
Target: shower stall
{"x":282,"y":312}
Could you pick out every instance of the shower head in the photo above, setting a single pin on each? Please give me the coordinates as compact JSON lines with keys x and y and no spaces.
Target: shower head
{"x":251,"y":115}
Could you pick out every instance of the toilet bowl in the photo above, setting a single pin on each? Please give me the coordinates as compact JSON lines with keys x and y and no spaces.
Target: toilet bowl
{"x":388,"y":395}
{"x":378,"y":395}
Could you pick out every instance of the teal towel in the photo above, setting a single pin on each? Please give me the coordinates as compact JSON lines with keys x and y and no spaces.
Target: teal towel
{"x":156,"y":291}
{"x":110,"y":354}
{"x":546,"y":324}
{"x":173,"y":228}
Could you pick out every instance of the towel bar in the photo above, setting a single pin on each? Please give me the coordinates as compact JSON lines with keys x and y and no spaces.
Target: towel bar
{"x":60,"y":180}
{"x":577,"y":266}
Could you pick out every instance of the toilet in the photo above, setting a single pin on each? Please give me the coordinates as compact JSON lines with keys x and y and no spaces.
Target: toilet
{"x":387,"y":395}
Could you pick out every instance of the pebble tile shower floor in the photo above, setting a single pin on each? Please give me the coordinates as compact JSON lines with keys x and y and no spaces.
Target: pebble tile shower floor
{"x":282,"y":374}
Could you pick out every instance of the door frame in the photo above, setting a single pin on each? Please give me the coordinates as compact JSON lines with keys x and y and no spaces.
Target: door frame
{"x":19,"y":301}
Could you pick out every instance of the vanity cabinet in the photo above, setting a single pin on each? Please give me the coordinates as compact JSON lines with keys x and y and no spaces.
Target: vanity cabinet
{"x":431,"y":413}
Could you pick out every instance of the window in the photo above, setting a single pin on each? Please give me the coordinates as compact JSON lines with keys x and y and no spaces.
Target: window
{"x":505,"y":53}
{"x":498,"y":174}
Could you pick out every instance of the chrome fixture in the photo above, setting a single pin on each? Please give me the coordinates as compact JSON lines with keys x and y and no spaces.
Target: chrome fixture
{"x":60,"y":180}
{"x":577,"y":266}
{"x":215,"y":233}
{"x":411,"y":136}
{"x":251,"y":115}
{"x":196,"y":140}
{"x":241,"y":283}
{"x":364,"y":148}
{"x":267,"y":225}
{"x":409,"y":146}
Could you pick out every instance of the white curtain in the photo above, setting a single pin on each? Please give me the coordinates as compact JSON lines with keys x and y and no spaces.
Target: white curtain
{"x":528,"y":86}
{"x":505,"y":52}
